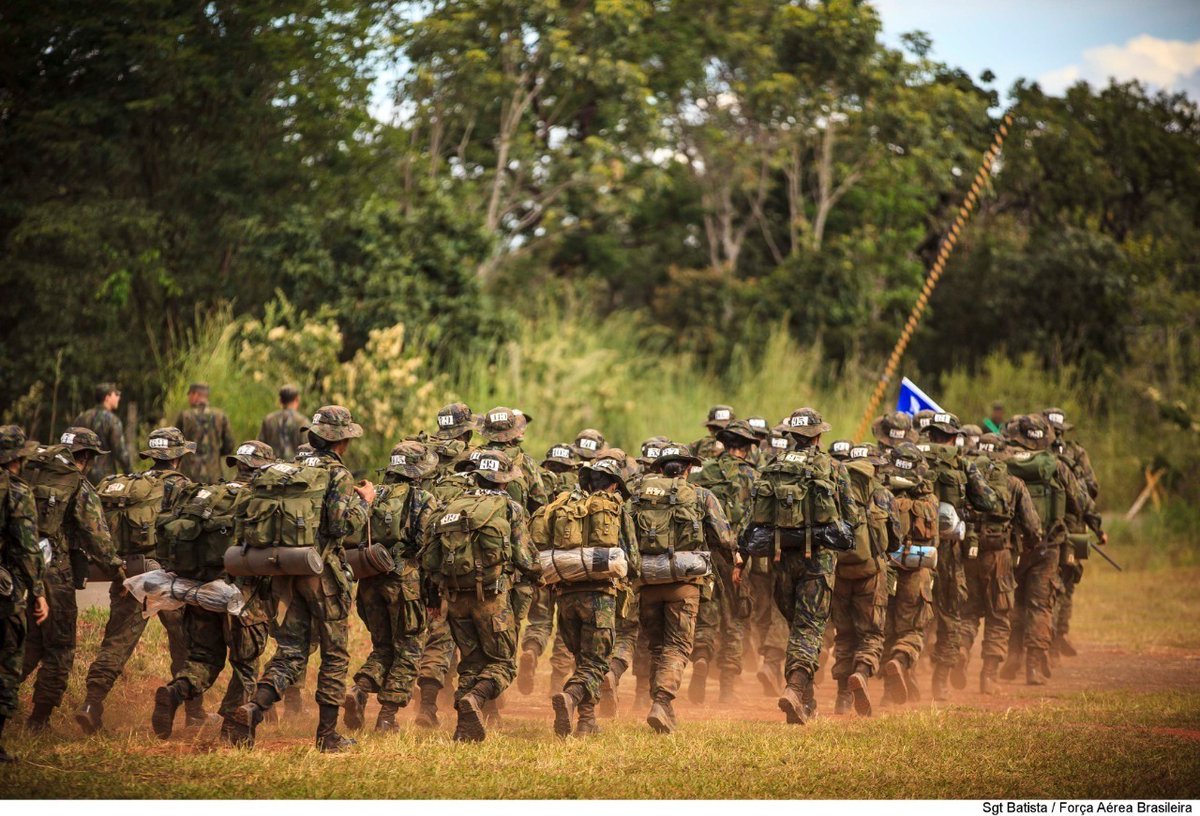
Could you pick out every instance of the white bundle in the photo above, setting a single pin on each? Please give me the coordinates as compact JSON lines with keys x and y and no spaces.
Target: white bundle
{"x":159,"y":590}
{"x":665,"y":569}
{"x":949,"y":524}
{"x":583,"y":564}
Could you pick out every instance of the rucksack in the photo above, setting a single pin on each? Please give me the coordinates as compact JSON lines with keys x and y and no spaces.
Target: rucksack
{"x":994,"y":527}
{"x":668,"y":515}
{"x":54,"y":478}
{"x":285,"y":505}
{"x":577,"y":519}
{"x":917,"y":518}
{"x":719,"y":476}
{"x":949,"y":480}
{"x":391,"y":520}
{"x":132,"y":503}
{"x":474,"y":541}
{"x":193,"y":536}
{"x":798,"y":489}
{"x":1039,"y":471}
{"x":868,"y":536}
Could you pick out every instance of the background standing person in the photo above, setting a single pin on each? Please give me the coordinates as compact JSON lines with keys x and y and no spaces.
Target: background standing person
{"x":995,"y":422}
{"x":102,"y":420}
{"x":282,"y":429}
{"x":209,"y":429}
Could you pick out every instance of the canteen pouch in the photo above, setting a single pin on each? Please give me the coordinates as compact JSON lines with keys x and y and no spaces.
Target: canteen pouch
{"x":993,"y":536}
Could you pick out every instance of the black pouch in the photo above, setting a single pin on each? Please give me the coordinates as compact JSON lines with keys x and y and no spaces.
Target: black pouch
{"x":760,"y":542}
{"x":80,"y":566}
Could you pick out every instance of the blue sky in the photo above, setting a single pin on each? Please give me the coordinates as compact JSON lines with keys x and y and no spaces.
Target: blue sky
{"x":1057,"y":41}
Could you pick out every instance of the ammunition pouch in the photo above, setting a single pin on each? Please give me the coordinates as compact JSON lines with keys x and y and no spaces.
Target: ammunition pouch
{"x":1081,"y":543}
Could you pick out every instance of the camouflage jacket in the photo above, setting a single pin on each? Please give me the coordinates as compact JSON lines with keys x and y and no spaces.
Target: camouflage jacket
{"x":19,"y":552}
{"x":1081,"y":465}
{"x":108,"y":427}
{"x":731,"y":480}
{"x":423,"y":508}
{"x":87,"y":530}
{"x":718,"y":533}
{"x":445,"y":484}
{"x":209,"y":428}
{"x":528,"y":489}
{"x":957,"y":480}
{"x":281,"y":430}
{"x":707,"y":447}
{"x":556,"y":483}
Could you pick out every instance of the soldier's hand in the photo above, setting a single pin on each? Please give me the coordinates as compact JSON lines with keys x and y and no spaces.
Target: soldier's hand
{"x":366,"y":490}
{"x":1104,"y":539}
{"x":737,"y":559}
{"x":41,"y":610}
{"x":737,"y":571}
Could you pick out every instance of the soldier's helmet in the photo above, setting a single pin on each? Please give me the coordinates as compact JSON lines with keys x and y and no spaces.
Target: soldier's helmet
{"x":588,"y":442}
{"x":454,"y":420}
{"x":560,"y":454}
{"x":304,"y":450}
{"x":737,"y":432}
{"x":945,"y":422}
{"x":608,"y":466}
{"x":253,"y":454}
{"x":676,"y":452}
{"x":503,"y":424}
{"x":14,"y":445}
{"x":807,"y":422}
{"x":841,"y":449}
{"x":412,"y":460}
{"x":1057,"y":418}
{"x":867,"y":451}
{"x":906,"y":460}
{"x":1029,"y":431}
{"x":494,"y":466}
{"x":780,"y":440}
{"x":893,"y":428}
{"x":166,"y":444}
{"x":651,"y":448}
{"x":992,"y":444}
{"x":921,"y":420}
{"x":333,"y":423}
{"x":760,"y":426}
{"x":718,"y":417}
{"x":82,"y":439}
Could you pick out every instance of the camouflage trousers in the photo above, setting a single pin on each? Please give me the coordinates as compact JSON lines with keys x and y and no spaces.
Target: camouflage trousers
{"x":720,"y":632}
{"x":51,"y":646}
{"x":212,"y":639}
{"x":909,"y":609}
{"x":803,"y":591}
{"x":122,"y":634}
{"x":539,"y":627}
{"x":521,"y":600}
{"x":12,"y":655}
{"x":1038,"y":584}
{"x":667,"y":613}
{"x":628,"y":626}
{"x":858,"y":611}
{"x":485,"y":632}
{"x":437,"y":653}
{"x":1065,"y":601}
{"x":990,"y":589}
{"x":949,"y":595}
{"x":391,"y":607}
{"x":587,"y":621}
{"x":317,"y":610}
{"x":765,"y":626}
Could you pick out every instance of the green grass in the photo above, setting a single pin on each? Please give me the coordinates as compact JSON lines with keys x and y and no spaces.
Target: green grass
{"x":1087,"y":746}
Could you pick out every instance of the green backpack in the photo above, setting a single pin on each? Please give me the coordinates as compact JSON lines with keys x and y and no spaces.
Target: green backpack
{"x":474,"y":541}
{"x":284,"y":507}
{"x":949,"y":480}
{"x":668,"y":515}
{"x":1039,"y":471}
{"x":132,"y":503}
{"x":994,"y":527}
{"x":868,"y":536}
{"x":391,"y":520}
{"x":796,"y":490}
{"x":576,"y":519}
{"x":193,"y":537}
{"x":54,"y":478}
{"x":720,"y":477}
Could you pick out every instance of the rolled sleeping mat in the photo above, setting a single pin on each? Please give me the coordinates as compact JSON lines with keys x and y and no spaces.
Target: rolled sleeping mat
{"x":914,"y":558}
{"x":583,"y":564}
{"x":668,"y":568}
{"x":367,"y":562}
{"x":271,"y":561}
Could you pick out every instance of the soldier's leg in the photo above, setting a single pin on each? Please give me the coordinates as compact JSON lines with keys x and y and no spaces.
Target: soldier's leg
{"x":1071,"y":576}
{"x":732,"y":632}
{"x":207,"y":650}
{"x":650,"y":618}
{"x":292,"y":638}
{"x":809,"y":587}
{"x":678,"y":630}
{"x":977,"y":575}
{"x":177,"y":644}
{"x":374,"y":604}
{"x":121,"y":635}
{"x":1042,"y":585}
{"x":520,"y":599}
{"x":438,"y":653}
{"x":540,"y":622}
{"x":769,"y":626}
{"x":247,"y":643}
{"x":333,"y":633}
{"x":704,"y":641}
{"x":908,"y":611}
{"x":51,"y":645}
{"x":998,"y":594}
{"x":628,"y":625}
{"x":1016,"y":619}
{"x":12,"y":653}
{"x":845,"y":633}
{"x":562,"y":662}
{"x":408,"y":625}
{"x":948,"y":603}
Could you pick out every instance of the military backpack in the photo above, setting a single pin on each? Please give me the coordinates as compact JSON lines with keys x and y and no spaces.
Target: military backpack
{"x":285,"y":505}
{"x":949,"y":480}
{"x":870,"y":538}
{"x":132,"y":503}
{"x":994,"y":528}
{"x":55,"y":479}
{"x":668,"y":515}
{"x":391,"y":521}
{"x":193,"y":536}
{"x":474,"y":541}
{"x":720,"y":477}
{"x":576,"y":519}
{"x":1039,"y":471}
{"x":797,"y":490}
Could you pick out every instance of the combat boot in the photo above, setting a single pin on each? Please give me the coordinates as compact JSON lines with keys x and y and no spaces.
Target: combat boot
{"x":587,"y":726}
{"x":427,"y":714}
{"x":769,"y":676}
{"x":729,"y":683}
{"x":526,"y":671}
{"x":167,"y":700}
{"x":988,"y":683}
{"x":793,"y":702}
{"x":471,"y":727}
{"x":355,"y":705}
{"x":194,"y":713}
{"x":895,"y":685}
{"x":857,"y":684}
{"x":236,"y":735}
{"x":565,"y":703}
{"x":910,"y":682}
{"x":557,"y":679}
{"x":958,"y":672}
{"x":845,"y":700}
{"x":608,"y":694}
{"x":1012,"y":666}
{"x":90,"y":715}
{"x":293,"y":701}
{"x":698,"y":686}
{"x":251,"y":714}
{"x":329,"y":741}
{"x":1065,"y":647}
{"x":940,"y":686}
{"x":662,"y":715}
{"x":385,"y":721}
{"x":1037,"y":667}
{"x":38,"y":720}
{"x":492,"y":709}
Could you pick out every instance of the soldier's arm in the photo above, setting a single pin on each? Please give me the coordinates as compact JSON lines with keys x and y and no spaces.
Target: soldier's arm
{"x":1025,"y":515}
{"x":885,"y":501}
{"x":89,"y":529}
{"x":979,"y":493}
{"x":718,"y":533}
{"x":22,"y":531}
{"x":852,"y":513}
{"x":1087,"y":473}
{"x":345,"y":512}
{"x":536,"y":497}
{"x":629,"y":542}
{"x":1079,"y":501}
{"x":427,"y":516}
{"x":524,"y":556}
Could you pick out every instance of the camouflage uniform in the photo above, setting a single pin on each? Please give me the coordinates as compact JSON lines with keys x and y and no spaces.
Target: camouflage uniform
{"x":125,"y":624}
{"x":283,"y":431}
{"x":52,"y":644}
{"x":24,"y":569}
{"x":481,"y":621}
{"x":106,"y":425}
{"x":707,"y":447}
{"x":209,"y":428}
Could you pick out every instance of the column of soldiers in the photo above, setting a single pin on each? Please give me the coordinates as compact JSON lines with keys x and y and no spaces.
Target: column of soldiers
{"x":933,"y":531}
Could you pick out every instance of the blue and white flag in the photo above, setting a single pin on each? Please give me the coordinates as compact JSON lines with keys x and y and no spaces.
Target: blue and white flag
{"x":912,"y":399}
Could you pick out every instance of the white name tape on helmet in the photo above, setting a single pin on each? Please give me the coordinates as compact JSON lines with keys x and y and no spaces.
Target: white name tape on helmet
{"x":67,"y":439}
{"x":587,"y":444}
{"x":897,"y":433}
{"x":445,"y":420}
{"x":246,"y":450}
{"x":399,"y":459}
{"x":560,"y":453}
{"x":499,"y":416}
{"x":160,"y":443}
{"x":1057,"y":419}
{"x":488,"y":463}
{"x":721,"y":415}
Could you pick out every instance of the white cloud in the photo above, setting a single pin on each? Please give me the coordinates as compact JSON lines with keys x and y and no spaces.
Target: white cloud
{"x":1164,"y":64}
